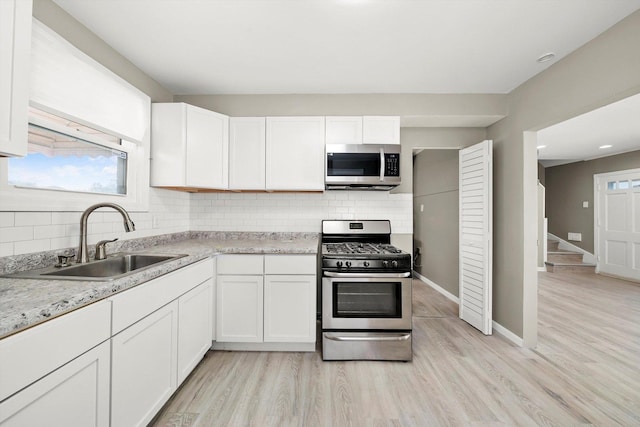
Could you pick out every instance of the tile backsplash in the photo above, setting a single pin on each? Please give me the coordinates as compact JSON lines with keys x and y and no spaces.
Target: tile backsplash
{"x":25,"y":232}
{"x":173,"y":211}
{"x":299,"y":212}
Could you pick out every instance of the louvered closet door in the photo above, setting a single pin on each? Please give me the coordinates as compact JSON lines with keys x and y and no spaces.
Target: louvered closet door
{"x":475,"y":222}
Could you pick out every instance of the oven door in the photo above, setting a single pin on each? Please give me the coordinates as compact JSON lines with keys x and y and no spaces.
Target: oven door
{"x":366,"y":303}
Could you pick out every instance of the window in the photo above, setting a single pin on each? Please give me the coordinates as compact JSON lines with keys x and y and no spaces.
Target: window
{"x":89,"y":135}
{"x":70,"y":157}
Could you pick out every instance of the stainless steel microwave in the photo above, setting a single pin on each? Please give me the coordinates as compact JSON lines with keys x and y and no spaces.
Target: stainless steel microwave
{"x":362,"y":167}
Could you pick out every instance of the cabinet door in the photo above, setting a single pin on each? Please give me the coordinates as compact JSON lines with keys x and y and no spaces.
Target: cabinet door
{"x":194,"y":328}
{"x":295,"y":153}
{"x":15,"y":48}
{"x":77,"y":394}
{"x":290,"y":308}
{"x":207,"y":148}
{"x":381,"y":130}
{"x":247,"y":153}
{"x":239,"y":308}
{"x":143,"y":371}
{"x":214,"y":298}
{"x":343,"y":130}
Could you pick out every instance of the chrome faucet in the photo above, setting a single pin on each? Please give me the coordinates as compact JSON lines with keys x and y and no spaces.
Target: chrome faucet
{"x":83,"y":253}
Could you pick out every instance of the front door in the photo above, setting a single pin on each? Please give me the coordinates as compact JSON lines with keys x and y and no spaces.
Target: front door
{"x":618,"y":223}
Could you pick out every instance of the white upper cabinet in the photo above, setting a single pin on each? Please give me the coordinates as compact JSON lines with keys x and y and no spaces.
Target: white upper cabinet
{"x":295,"y":153}
{"x":247,"y":139}
{"x":363,"y":130}
{"x":189,"y":147}
{"x":15,"y":49}
{"x":381,"y":130}
{"x":343,"y":130}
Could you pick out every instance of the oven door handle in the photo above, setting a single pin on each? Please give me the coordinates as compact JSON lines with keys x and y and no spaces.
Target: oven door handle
{"x":399,"y":337}
{"x":368,"y":275}
{"x":382,"y":164}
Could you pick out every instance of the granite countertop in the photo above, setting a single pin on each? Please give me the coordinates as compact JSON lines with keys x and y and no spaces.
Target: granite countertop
{"x":27,"y":302}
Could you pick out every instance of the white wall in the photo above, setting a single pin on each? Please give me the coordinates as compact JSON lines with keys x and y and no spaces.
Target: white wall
{"x":25,"y":232}
{"x":298,"y":212}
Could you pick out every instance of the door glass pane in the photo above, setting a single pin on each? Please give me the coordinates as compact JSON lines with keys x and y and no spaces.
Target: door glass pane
{"x":623,"y":185}
{"x":612,"y":185}
{"x":636,"y":183}
{"x":367,"y":299}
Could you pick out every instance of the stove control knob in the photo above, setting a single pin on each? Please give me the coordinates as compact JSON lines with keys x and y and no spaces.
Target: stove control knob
{"x":394,"y":264}
{"x":339,"y":264}
{"x":366,"y":264}
{"x":348,"y":264}
{"x":385,"y":263}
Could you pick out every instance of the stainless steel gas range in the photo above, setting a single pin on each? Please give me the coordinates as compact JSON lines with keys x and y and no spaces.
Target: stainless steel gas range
{"x":366,"y":292}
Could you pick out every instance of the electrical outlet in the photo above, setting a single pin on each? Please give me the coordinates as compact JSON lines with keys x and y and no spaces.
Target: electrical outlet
{"x":575,"y":237}
{"x":585,"y":204}
{"x":154,"y":221}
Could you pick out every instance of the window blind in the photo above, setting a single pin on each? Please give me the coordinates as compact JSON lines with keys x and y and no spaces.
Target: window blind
{"x":67,"y":82}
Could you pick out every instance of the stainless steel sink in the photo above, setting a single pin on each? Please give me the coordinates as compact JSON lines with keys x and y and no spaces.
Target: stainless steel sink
{"x":114,"y":267}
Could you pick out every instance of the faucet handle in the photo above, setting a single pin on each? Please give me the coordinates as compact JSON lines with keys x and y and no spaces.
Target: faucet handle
{"x":101,"y":249}
{"x":64,"y":260}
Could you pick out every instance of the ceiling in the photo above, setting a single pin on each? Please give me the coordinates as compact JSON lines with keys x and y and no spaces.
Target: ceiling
{"x":344,"y":46}
{"x":581,"y":137}
{"x":198,"y":47}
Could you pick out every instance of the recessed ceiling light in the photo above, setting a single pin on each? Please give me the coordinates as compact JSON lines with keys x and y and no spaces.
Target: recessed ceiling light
{"x":602,"y":147}
{"x":539,"y":147}
{"x":546,"y":57}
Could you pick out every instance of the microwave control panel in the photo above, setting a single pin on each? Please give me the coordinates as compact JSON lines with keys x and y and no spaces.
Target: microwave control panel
{"x":392,"y":164}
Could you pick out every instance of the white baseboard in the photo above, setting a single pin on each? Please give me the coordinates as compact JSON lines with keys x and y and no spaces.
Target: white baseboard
{"x":437,"y":287}
{"x":496,"y":326}
{"x":542,"y":268}
{"x":587,"y":257}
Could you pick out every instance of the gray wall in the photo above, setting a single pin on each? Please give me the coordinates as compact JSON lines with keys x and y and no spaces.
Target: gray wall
{"x":434,"y":183}
{"x":569,"y":185}
{"x":602,"y":71}
{"x":435,"y":227}
{"x":541,"y":174}
{"x":64,"y":24}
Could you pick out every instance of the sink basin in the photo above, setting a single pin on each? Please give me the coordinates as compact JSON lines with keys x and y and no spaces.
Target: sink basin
{"x":113,"y":267}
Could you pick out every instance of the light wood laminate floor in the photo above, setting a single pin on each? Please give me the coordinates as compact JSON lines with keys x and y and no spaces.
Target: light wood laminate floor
{"x":585,"y":371}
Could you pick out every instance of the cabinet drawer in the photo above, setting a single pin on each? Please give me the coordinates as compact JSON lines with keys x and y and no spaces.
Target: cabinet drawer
{"x":290,"y":264}
{"x":134,"y":304}
{"x":241,"y":264}
{"x":30,"y":355}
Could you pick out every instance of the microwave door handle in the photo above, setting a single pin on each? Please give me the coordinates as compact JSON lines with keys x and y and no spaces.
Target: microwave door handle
{"x":381,"y":164}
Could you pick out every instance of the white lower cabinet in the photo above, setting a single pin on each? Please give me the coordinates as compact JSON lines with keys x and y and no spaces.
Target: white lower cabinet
{"x":289,"y":308}
{"x":239,"y":310}
{"x":194,"y":328}
{"x":266,"y":302}
{"x":158,"y":347}
{"x":115,"y":362}
{"x":75,"y":395}
{"x":143,"y":369}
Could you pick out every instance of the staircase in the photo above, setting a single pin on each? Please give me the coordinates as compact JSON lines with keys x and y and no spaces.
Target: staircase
{"x":559,"y":260}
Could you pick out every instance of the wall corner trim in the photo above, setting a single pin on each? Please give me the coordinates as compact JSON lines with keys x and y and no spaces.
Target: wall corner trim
{"x":437,"y":287}
{"x":497,"y":327}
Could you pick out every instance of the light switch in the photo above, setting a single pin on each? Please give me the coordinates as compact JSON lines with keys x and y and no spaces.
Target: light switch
{"x":421,"y":208}
{"x":585,"y":204}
